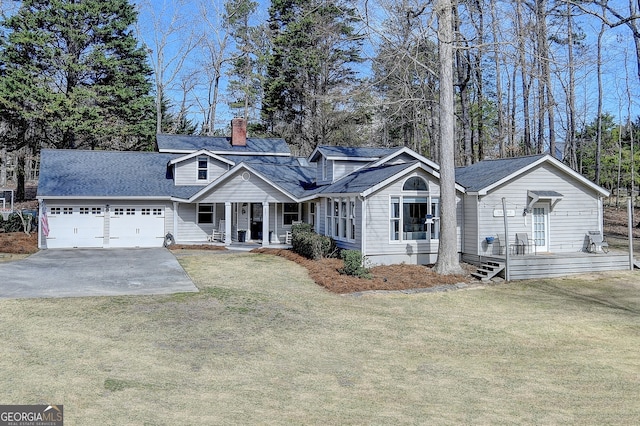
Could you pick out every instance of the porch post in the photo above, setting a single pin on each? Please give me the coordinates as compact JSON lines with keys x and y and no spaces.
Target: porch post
{"x":227,"y":222}
{"x":265,"y":223}
{"x":175,"y":221}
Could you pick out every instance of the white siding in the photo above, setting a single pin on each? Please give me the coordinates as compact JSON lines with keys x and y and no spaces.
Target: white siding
{"x":569,"y":221}
{"x":186,"y":172}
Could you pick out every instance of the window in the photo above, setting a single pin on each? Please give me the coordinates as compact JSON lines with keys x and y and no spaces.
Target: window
{"x":343,"y":218}
{"x":329,"y":220}
{"x":145,"y":212}
{"x":157,"y":212}
{"x":203,"y":168}
{"x":130,"y":212}
{"x":414,"y":216}
{"x":119,"y":211}
{"x":335,"y":215}
{"x":340,"y":218}
{"x":395,"y":219}
{"x":312,"y":214}
{"x":352,"y":219}
{"x":205,"y":213}
{"x":325,"y":168}
{"x":415,"y":184}
{"x":291,"y":213}
{"x":84,"y":210}
{"x":96,"y":210}
{"x":54,"y":210}
{"x":67,"y":210}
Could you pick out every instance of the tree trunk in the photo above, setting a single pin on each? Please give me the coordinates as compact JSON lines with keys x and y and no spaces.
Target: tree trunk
{"x":496,"y":56}
{"x":448,"y":261}
{"x":525,"y":81}
{"x":600,"y":97}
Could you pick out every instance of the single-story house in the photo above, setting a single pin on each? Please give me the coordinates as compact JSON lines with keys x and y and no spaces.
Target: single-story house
{"x":384,"y":202}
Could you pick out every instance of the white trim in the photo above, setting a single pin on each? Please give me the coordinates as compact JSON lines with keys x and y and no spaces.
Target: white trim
{"x":552,"y":161}
{"x":230,"y":174}
{"x":199,"y":153}
{"x":412,"y":153}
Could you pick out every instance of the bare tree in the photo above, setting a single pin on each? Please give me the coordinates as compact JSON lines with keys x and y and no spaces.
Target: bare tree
{"x":173,"y":40}
{"x":216,"y":55}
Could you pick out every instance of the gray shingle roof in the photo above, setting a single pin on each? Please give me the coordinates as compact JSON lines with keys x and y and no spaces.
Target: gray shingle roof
{"x":296,"y":180}
{"x":107,"y":174}
{"x":487,"y":172}
{"x":265,"y":159}
{"x":185,"y":143}
{"x":362,"y":152}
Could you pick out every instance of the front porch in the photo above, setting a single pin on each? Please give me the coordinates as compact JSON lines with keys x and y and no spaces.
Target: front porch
{"x":547,"y":265}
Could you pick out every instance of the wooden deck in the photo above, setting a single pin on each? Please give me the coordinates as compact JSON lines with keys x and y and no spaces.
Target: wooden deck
{"x":547,"y":265}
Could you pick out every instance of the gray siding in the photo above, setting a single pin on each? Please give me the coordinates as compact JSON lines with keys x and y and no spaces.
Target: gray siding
{"x":343,"y":168}
{"x":186,"y":172}
{"x":237,"y":190}
{"x":569,"y":221}
{"x":377,"y":241}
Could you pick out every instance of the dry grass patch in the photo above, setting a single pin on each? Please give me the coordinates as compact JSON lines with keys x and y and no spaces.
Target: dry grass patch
{"x":262,"y":344}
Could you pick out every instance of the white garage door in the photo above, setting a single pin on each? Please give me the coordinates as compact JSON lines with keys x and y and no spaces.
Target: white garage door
{"x":136,"y":226}
{"x":71,"y":226}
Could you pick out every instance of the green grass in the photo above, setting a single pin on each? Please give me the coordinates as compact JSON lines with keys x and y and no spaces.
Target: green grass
{"x":262,"y":344}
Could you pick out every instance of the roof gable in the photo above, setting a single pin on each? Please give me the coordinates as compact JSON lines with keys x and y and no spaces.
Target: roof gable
{"x":486,"y":175}
{"x":357,"y":153}
{"x":289,"y":179}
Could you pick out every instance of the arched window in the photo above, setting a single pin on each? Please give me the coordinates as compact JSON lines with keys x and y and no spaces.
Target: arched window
{"x":415,"y":184}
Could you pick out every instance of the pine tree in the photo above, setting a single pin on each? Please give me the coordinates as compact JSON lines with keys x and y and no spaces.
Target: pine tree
{"x":310,"y":72}
{"x":74,"y":76}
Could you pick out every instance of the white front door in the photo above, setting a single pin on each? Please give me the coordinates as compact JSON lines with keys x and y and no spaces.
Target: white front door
{"x":541,"y":227}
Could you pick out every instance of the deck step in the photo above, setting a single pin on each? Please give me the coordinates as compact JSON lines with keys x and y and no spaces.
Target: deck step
{"x":488,"y":270}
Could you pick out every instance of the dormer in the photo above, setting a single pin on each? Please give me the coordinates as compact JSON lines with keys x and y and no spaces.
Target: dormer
{"x":335,"y":162}
{"x":199,"y":168}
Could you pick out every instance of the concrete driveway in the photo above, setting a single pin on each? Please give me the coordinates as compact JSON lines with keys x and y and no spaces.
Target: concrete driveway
{"x":94,"y":272}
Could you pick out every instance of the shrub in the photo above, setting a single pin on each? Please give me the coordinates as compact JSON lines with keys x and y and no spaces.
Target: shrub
{"x":14,"y":222}
{"x":353,"y":264}
{"x":312,"y":245}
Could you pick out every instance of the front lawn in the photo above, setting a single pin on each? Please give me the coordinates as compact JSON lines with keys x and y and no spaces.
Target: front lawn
{"x":262,"y":344}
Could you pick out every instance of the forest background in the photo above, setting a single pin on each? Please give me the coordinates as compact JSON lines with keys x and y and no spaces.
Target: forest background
{"x":530,"y":76}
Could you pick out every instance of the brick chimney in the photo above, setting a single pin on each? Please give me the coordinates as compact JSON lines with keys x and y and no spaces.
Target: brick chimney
{"x":239,"y":132}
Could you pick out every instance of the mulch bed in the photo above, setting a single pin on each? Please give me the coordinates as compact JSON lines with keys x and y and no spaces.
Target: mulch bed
{"x":18,"y":243}
{"x":325,"y":272}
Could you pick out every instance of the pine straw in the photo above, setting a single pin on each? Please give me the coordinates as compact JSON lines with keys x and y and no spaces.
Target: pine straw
{"x":325,"y":272}
{"x":18,"y":243}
